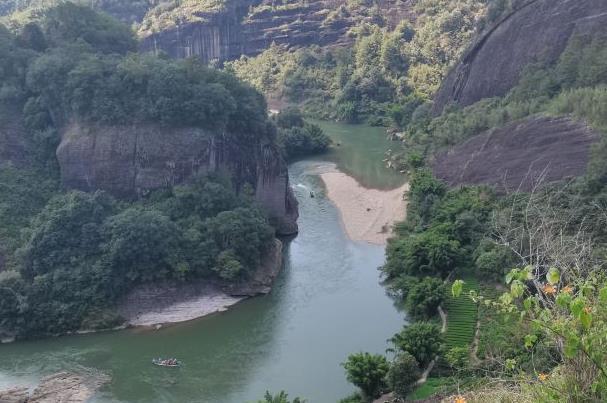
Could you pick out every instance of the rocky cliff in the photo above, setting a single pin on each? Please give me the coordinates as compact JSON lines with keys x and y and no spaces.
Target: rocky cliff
{"x":128,"y":161}
{"x":247,"y":27}
{"x":519,"y":155}
{"x":538,"y":31}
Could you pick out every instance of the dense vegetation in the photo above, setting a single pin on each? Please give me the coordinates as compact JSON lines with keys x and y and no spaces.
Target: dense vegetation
{"x":387,"y":72}
{"x":70,"y":256}
{"x":298,"y":137}
{"x":538,"y":341}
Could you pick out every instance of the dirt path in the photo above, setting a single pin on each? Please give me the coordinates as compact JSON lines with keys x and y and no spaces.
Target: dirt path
{"x":474,"y":350}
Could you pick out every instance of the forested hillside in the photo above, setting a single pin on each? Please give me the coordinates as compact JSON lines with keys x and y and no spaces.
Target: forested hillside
{"x":498,"y":109}
{"x":526,"y":251}
{"x":67,"y":257}
{"x":389,"y":71}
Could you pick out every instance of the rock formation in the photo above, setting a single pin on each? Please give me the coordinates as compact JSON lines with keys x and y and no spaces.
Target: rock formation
{"x":247,"y":27}
{"x":62,"y":387}
{"x":519,"y":155}
{"x":538,"y":31}
{"x":129,"y":161}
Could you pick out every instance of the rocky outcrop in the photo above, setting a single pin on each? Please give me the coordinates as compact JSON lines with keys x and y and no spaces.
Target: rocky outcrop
{"x":130,"y":161}
{"x":538,"y":31}
{"x":519,"y":155}
{"x":212,"y":36}
{"x":249,"y":27}
{"x":62,"y":387}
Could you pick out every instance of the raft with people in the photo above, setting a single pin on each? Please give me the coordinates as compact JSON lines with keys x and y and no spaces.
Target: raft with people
{"x":166,"y":362}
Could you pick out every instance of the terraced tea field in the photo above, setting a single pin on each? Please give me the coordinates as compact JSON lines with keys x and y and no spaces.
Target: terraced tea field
{"x":462,"y":315}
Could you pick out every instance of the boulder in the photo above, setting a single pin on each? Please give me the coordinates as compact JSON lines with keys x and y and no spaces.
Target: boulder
{"x":538,"y":31}
{"x":519,"y":155}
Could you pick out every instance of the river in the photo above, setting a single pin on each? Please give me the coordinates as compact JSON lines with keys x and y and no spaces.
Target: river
{"x":326,"y":303}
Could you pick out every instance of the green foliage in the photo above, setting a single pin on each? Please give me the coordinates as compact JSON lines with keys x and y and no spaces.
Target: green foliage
{"x":23,"y":193}
{"x":355,"y":397}
{"x":442,"y":230}
{"x":492,"y":260}
{"x":573,"y":86}
{"x":84,"y":74}
{"x":462,"y":315}
{"x":70,"y":256}
{"x":83,"y":251}
{"x":424,"y":296}
{"x":422,"y":340}
{"x":569,"y":316}
{"x":431,"y":252}
{"x":367,"y":371}
{"x":403,"y":373}
{"x":297,"y":137}
{"x":281,"y":397}
{"x":67,"y":230}
{"x":458,"y":358}
{"x":68,"y":23}
{"x":169,"y":13}
{"x":289,"y":118}
{"x":141,"y":245}
{"x":401,"y":66}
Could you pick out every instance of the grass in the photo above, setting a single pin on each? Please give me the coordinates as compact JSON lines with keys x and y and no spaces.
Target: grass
{"x":462,"y":314}
{"x":431,"y":387}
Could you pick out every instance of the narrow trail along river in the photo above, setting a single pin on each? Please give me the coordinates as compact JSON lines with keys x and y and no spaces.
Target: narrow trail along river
{"x":326,"y":303}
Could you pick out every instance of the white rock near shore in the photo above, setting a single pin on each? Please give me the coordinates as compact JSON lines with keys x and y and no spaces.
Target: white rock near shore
{"x":62,"y":387}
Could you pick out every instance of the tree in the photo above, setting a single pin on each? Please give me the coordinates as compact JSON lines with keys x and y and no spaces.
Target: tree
{"x":141,"y":245}
{"x":281,"y":397}
{"x":432,"y":252}
{"x":422,"y":340}
{"x":424,"y":296}
{"x":403,"y":373}
{"x":67,"y":230}
{"x":243,"y":231}
{"x":69,"y":22}
{"x":368,"y":372}
{"x":289,"y":117}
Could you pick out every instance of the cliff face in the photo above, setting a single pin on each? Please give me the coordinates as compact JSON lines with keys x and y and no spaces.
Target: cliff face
{"x":248,"y":27}
{"x":129,"y":161}
{"x":519,"y":155}
{"x":219,"y":37}
{"x":537,"y":31}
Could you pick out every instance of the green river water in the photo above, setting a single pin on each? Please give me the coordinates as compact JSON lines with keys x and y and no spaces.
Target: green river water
{"x":326,"y":303}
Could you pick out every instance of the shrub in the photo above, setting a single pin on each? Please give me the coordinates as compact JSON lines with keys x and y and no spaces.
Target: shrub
{"x":368,"y":372}
{"x":281,"y":397}
{"x":424,"y":296}
{"x":403,"y":373}
{"x":458,"y":358}
{"x":420,"y":339}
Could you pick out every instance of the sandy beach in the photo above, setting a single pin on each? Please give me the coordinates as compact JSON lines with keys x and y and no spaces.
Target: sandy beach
{"x":367,"y":214}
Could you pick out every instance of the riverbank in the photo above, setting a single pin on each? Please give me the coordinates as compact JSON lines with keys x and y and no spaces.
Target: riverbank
{"x":170,"y":303}
{"x":367,"y":214}
{"x":60,"y":387}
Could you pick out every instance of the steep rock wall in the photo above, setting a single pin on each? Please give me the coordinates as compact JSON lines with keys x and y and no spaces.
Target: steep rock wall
{"x":248,"y":27}
{"x":519,"y":155}
{"x":538,"y":31}
{"x":129,"y":161}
